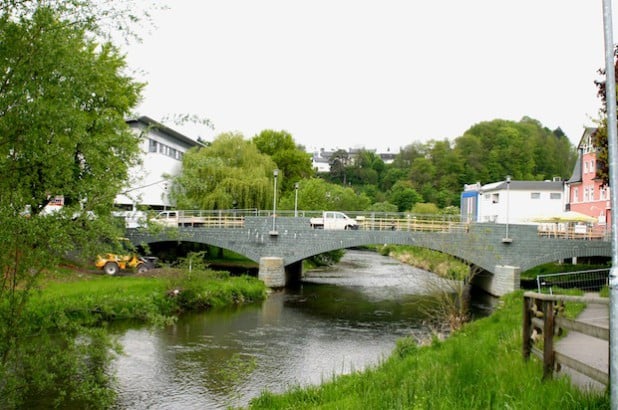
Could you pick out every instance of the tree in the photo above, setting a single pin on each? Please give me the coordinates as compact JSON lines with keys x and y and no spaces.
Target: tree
{"x":404,"y":196}
{"x":293,"y":162}
{"x":317,"y":194}
{"x":64,"y":97}
{"x":366,"y":169}
{"x":489,"y":151}
{"x":270,"y":142}
{"x":230,"y":171}
{"x":600,"y":136}
{"x":425,"y":208}
{"x":386,"y":207}
{"x":338,"y":162}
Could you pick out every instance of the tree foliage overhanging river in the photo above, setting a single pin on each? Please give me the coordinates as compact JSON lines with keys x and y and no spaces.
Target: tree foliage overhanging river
{"x":340,"y":320}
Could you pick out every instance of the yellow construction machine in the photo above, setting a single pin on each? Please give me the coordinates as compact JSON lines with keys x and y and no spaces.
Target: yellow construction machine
{"x":112,"y":263}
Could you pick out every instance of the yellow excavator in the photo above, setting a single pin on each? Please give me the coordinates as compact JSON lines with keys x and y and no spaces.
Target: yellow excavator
{"x":112,"y":263}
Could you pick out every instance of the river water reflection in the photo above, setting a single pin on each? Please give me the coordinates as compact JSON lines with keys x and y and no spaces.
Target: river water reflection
{"x":339,"y":320}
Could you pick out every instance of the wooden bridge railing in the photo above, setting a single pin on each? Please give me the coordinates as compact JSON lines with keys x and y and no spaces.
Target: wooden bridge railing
{"x":542,"y":321}
{"x":573,"y":232}
{"x":410,"y":224}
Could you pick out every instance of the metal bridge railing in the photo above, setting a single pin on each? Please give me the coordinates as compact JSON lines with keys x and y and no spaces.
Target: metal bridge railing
{"x":587,"y":280}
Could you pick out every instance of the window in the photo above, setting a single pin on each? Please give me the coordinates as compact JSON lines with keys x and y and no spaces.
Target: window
{"x":555,"y":195}
{"x":588,"y":193}
{"x":535,"y":195}
{"x":575,"y":195}
{"x":495,"y":198}
{"x":166,"y":150}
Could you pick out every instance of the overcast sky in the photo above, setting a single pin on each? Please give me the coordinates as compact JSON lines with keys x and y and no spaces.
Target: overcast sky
{"x":378,"y":74}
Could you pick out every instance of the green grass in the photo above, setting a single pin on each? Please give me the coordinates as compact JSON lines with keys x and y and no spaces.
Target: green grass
{"x":478,"y":367}
{"x":441,"y":264}
{"x":92,"y":299}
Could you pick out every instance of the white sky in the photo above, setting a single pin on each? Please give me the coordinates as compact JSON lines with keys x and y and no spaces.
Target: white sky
{"x":378,"y":74}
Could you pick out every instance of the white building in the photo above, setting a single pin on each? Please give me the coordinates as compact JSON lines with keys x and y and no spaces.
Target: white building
{"x":162,"y":151}
{"x":519,"y":202}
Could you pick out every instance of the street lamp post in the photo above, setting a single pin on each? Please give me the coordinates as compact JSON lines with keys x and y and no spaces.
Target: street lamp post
{"x":295,"y":199}
{"x":274,"y":230}
{"x":506,"y":238}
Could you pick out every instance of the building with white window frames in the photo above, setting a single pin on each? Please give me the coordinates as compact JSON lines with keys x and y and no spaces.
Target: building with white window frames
{"x":162,"y":151}
{"x":519,"y":202}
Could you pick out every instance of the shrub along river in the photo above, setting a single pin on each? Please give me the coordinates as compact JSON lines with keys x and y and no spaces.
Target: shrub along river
{"x":339,"y":320}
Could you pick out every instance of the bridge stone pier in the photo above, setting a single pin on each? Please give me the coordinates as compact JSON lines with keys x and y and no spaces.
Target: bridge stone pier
{"x":279,"y":246}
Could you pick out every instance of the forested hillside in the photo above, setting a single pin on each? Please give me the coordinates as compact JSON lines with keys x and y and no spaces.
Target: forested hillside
{"x":436,"y":171}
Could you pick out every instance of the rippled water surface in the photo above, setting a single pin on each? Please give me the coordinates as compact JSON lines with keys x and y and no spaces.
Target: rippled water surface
{"x":340,"y":320}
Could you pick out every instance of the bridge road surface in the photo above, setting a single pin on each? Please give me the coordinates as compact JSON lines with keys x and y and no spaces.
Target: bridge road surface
{"x":588,"y":349}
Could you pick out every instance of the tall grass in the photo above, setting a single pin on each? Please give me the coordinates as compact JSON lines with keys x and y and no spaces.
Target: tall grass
{"x":478,"y":367}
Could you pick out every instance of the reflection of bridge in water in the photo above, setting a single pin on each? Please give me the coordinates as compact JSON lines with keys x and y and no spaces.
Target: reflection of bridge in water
{"x":280,"y":244}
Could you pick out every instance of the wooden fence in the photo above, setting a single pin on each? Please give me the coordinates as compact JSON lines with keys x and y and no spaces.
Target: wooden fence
{"x":542,"y":321}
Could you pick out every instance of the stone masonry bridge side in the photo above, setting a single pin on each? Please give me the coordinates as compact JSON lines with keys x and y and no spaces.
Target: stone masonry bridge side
{"x":280,"y":251}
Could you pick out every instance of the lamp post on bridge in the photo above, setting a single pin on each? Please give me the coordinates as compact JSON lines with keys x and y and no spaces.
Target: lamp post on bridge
{"x":274,"y":230}
{"x":295,"y":199}
{"x":506,"y":238}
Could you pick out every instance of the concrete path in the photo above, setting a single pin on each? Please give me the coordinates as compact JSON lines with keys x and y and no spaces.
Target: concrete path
{"x":588,"y":349}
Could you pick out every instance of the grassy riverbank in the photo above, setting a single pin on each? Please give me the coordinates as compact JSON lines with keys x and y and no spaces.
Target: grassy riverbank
{"x":158,"y":295}
{"x":478,"y":367}
{"x":441,"y":264}
{"x":60,"y":348}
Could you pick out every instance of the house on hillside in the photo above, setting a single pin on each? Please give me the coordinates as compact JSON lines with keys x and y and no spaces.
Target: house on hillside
{"x":508,"y":201}
{"x":162,"y":150}
{"x":321,"y":159}
{"x":586,"y":193}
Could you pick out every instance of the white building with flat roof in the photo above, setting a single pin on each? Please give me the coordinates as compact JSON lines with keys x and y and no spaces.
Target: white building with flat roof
{"x":519,"y":202}
{"x":162,"y":150}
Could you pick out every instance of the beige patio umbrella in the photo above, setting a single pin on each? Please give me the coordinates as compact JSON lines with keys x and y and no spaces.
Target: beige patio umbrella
{"x":566,"y":216}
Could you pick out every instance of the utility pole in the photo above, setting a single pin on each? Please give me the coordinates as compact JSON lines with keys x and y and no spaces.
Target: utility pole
{"x":610,"y":97}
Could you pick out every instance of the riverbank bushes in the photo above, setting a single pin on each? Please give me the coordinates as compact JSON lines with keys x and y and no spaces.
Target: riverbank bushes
{"x":478,"y":367}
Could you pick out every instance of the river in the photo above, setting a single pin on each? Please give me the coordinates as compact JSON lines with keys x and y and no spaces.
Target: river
{"x":339,"y":320}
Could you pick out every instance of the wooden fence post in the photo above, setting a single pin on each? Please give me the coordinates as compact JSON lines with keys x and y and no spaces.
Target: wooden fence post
{"x":527,"y":328}
{"x":548,"y":339}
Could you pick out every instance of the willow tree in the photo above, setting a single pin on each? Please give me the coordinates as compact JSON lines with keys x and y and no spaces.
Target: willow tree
{"x":64,"y":97}
{"x":231,"y":172}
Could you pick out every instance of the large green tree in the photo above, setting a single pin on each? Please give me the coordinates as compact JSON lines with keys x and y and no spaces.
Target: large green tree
{"x":64,"y":98}
{"x":230,"y":172}
{"x":291,"y":159}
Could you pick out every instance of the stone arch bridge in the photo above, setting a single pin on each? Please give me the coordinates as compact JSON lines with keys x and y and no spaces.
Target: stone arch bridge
{"x":279,"y":245}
